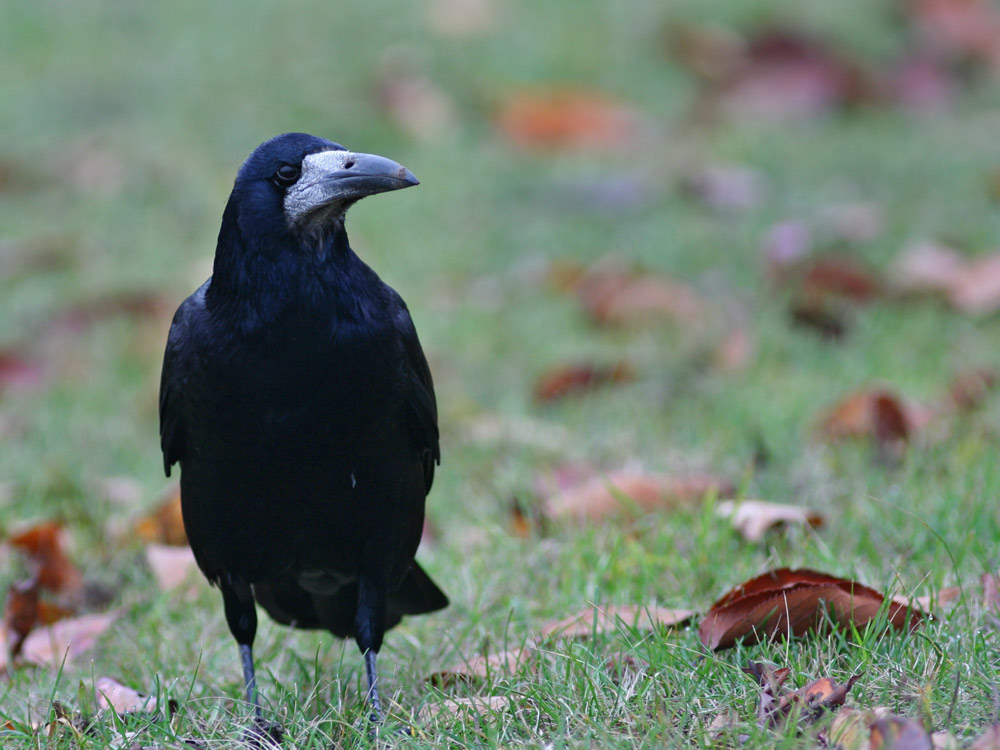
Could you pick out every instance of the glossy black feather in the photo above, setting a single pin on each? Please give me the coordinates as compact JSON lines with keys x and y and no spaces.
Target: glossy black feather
{"x":297,"y":400}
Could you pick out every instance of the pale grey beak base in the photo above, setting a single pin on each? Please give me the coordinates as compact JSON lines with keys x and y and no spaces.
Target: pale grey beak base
{"x":341,"y":178}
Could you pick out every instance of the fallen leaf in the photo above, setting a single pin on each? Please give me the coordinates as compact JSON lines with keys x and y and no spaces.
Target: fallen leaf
{"x":604,"y":496}
{"x":43,"y":545}
{"x":566,"y":118}
{"x":898,"y":733}
{"x":70,"y":639}
{"x":171,"y":565}
{"x":481,"y":707}
{"x":814,"y":699}
{"x":929,"y":602}
{"x":819,"y":316}
{"x":770,"y":680}
{"x":559,"y":382}
{"x":20,"y":613}
{"x":112,"y":695}
{"x":137,"y":304}
{"x":502,"y":664}
{"x":926,"y":268}
{"x":877,"y":413}
{"x":612,"y":619}
{"x":19,"y":372}
{"x":839,"y":276}
{"x":988,"y":740}
{"x":165,"y":525}
{"x":787,"y":602}
{"x":615,"y":297}
{"x":753,"y":518}
{"x":849,"y":729}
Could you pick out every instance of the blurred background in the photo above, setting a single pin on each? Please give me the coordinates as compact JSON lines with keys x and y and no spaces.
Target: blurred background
{"x":672,"y":238}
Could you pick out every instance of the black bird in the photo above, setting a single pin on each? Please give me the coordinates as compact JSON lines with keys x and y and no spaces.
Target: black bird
{"x":299,"y":404}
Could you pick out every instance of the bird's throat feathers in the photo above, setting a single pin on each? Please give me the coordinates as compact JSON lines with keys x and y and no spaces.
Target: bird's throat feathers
{"x":259,"y":277}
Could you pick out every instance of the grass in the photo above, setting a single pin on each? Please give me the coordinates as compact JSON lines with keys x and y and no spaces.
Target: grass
{"x":123,"y":126}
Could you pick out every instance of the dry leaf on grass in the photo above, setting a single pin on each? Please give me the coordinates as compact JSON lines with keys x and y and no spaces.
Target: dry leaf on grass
{"x":20,"y":613}
{"x":165,"y":525}
{"x":112,"y":695}
{"x":754,"y":518}
{"x":567,"y":118}
{"x":616,"y":297}
{"x":171,"y":565}
{"x":787,"y":602}
{"x":872,"y":412}
{"x":613,"y":619}
{"x":70,"y":638}
{"x":482,"y":667}
{"x":929,"y":602}
{"x":567,"y":380}
{"x":988,"y":740}
{"x":601,"y":497}
{"x":971,"y":285}
{"x":43,"y":544}
{"x":807,"y":703}
{"x":898,"y":733}
{"x":481,"y":707}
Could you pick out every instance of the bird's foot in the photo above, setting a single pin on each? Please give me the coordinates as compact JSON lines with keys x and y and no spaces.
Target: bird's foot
{"x":263,"y":734}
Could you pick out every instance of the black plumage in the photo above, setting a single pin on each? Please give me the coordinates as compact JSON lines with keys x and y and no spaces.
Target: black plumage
{"x":298,"y":402}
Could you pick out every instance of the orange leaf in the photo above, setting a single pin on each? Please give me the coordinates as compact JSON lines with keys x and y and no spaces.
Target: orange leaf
{"x":791,"y":603}
{"x":560,"y":382}
{"x":44,"y":546}
{"x":566,"y":119}
{"x":611,"y":619}
{"x":874,"y":413}
{"x":165,"y":524}
{"x":605,"y":496}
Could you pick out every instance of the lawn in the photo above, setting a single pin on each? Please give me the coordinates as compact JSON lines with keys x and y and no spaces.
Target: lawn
{"x":123,"y":126}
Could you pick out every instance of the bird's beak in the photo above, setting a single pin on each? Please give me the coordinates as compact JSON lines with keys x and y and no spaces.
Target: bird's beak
{"x":332,"y":178}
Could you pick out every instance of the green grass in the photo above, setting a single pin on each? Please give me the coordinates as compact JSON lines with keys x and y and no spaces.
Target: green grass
{"x":166,"y":101}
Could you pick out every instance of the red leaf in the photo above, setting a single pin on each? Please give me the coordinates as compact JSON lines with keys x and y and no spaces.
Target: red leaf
{"x":569,"y":380}
{"x":566,"y":119}
{"x":791,"y":603}
{"x":44,"y":545}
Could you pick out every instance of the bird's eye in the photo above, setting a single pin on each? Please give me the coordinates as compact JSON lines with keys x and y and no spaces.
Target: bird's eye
{"x":286,"y":175}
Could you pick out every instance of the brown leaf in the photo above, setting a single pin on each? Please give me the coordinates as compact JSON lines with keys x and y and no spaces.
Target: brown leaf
{"x":898,"y":733}
{"x":121,"y":699}
{"x":988,"y":740}
{"x":614,"y":297}
{"x":19,"y":372}
{"x":819,"y":316}
{"x":604,"y":496}
{"x":44,"y":546}
{"x":484,"y":667}
{"x":839,"y":276}
{"x":165,"y":525}
{"x":814,"y":699}
{"x":770,"y":680}
{"x":567,"y":380}
{"x":876,"y":413}
{"x":929,"y":602}
{"x":20,"y":613}
{"x":69,"y":638}
{"x":753,"y":518}
{"x":787,"y":602}
{"x":171,"y":565}
{"x":566,"y":118}
{"x":612,"y":619}
{"x":788,"y":75}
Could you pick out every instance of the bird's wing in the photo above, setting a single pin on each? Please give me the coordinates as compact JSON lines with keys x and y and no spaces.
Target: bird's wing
{"x":178,"y":364}
{"x":422,"y":406}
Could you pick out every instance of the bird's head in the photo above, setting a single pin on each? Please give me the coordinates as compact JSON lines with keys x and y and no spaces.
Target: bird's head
{"x":301,"y":184}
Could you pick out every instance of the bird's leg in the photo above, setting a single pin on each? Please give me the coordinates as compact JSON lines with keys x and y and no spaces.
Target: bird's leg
{"x":376,"y":704}
{"x":369,"y":623}
{"x":241,"y":614}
